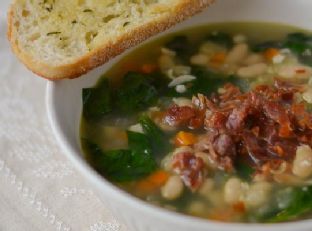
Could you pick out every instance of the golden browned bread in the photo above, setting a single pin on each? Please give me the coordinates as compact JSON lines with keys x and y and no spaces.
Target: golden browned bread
{"x":59,"y":39}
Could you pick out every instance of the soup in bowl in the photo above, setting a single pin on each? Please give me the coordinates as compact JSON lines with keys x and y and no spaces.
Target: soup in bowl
{"x":212,"y":121}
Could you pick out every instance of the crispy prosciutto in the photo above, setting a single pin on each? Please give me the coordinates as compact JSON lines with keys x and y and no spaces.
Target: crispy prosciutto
{"x":264,"y":125}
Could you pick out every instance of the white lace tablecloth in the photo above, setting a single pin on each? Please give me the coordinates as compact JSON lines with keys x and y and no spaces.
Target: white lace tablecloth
{"x":39,"y":189}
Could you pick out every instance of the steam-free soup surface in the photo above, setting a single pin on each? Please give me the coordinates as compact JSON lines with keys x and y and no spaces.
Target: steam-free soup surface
{"x":213,"y":122}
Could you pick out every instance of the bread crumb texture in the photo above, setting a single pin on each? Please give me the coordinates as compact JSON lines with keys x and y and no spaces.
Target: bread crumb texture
{"x":59,"y":34}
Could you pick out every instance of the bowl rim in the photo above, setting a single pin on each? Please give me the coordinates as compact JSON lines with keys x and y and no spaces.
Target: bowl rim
{"x":104,"y":185}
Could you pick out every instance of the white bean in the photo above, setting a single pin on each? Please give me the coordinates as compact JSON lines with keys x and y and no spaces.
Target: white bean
{"x":239,"y":38}
{"x":166,"y":62}
{"x":253,"y":59}
{"x":173,"y":188}
{"x":294,"y":71}
{"x":230,"y":68}
{"x":277,"y":59}
{"x":181,"y":88}
{"x":237,"y":54}
{"x":166,"y":162}
{"x":302,"y":166}
{"x":181,"y":70}
{"x":168,"y":52}
{"x":233,"y":191}
{"x":207,"y":187}
{"x":181,"y":101}
{"x":209,"y":49}
{"x":257,"y":194}
{"x":252,"y":70}
{"x":199,"y":59}
{"x":177,"y":71}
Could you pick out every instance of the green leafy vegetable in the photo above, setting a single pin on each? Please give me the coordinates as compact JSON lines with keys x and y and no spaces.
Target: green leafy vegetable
{"x":155,"y":135}
{"x":124,"y":165}
{"x":221,"y":38}
{"x":139,"y":142}
{"x":300,"y":44}
{"x":136,"y":93}
{"x":97,"y":101}
{"x":244,"y":170}
{"x":300,"y":204}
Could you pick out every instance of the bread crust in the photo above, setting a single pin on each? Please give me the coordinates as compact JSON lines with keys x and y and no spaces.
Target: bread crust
{"x":101,"y":55}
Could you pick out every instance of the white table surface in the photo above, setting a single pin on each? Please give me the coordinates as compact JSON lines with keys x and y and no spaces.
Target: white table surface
{"x":39,"y":189}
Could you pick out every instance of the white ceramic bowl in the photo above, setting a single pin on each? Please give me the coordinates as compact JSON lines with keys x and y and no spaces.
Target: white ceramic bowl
{"x":65,"y":105}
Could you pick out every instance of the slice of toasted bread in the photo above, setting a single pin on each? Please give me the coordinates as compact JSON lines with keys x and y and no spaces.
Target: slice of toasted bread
{"x":59,"y":39}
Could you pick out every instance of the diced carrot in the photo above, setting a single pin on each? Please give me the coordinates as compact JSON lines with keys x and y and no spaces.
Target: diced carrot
{"x":153,"y":182}
{"x":159,"y":177}
{"x":239,"y":207}
{"x":218,"y":58}
{"x":270,"y":53}
{"x":185,"y":139}
{"x":148,"y":68}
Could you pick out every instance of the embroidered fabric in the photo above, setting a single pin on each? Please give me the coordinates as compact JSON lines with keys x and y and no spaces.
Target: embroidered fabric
{"x":39,"y":189}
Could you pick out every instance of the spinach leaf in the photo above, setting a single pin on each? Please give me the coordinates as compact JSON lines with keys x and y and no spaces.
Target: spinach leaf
{"x":139,"y":142}
{"x":124,"y":165}
{"x":300,"y":204}
{"x":180,"y":44}
{"x":221,"y":38}
{"x":155,"y":135}
{"x":206,"y":82}
{"x":97,"y":101}
{"x":299,"y":43}
{"x":136,"y":93}
{"x":244,"y":170}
